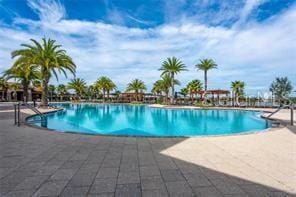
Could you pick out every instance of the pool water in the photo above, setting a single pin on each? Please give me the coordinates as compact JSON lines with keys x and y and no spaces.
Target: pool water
{"x":142,"y":120}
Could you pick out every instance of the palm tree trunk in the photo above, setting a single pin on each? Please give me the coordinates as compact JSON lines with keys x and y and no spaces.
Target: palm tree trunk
{"x":173,"y":90}
{"x":166,"y":97}
{"x":44,"y":97}
{"x":206,"y":86}
{"x":104,"y":92}
{"x":25,"y":95}
{"x":136,"y":95}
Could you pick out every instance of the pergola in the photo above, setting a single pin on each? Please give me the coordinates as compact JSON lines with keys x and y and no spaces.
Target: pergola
{"x":214,"y":93}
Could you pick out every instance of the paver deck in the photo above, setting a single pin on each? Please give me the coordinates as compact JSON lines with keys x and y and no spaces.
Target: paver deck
{"x":36,"y":162}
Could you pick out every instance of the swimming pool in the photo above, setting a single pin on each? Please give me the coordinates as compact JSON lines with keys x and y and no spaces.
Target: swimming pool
{"x":142,"y":120}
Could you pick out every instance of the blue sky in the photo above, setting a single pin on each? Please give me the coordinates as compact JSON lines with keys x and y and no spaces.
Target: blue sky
{"x":251,"y":40}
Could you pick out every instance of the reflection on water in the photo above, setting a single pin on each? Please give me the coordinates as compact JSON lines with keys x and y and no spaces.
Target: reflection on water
{"x":124,"y":119}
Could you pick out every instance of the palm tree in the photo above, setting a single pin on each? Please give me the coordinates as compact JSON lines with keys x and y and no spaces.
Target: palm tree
{"x":111,"y":86}
{"x":4,"y":87}
{"x":238,"y":88}
{"x":50,"y":59}
{"x":172,"y":66}
{"x":281,"y":87}
{"x":25,"y":74}
{"x":91,"y":92}
{"x":184,"y":92}
{"x":164,"y":85}
{"x":157,"y":87}
{"x":78,"y":85}
{"x":206,"y":65}
{"x":106,"y":85}
{"x":137,"y":86}
{"x":167,"y":82}
{"x":61,"y":91}
{"x":193,"y":87}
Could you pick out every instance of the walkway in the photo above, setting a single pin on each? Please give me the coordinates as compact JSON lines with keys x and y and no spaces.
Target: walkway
{"x":35,"y":162}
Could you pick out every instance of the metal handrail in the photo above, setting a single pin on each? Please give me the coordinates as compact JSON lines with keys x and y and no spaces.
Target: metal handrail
{"x":17,"y":112}
{"x":283,"y":107}
{"x":278,"y":109}
{"x":34,"y":109}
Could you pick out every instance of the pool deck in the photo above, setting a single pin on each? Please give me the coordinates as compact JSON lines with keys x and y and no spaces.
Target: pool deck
{"x":38,"y":162}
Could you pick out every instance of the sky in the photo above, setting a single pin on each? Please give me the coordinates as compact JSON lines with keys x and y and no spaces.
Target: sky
{"x":250,"y":40}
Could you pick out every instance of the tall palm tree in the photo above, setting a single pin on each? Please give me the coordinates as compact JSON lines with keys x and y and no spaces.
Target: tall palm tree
{"x":137,"y":86}
{"x":50,"y":58}
{"x":78,"y":85}
{"x":106,"y":85}
{"x":172,"y":66}
{"x":238,"y":88}
{"x":25,"y":74}
{"x":206,"y":65}
{"x":193,"y":87}
{"x":281,"y":87}
{"x":61,"y":91}
{"x":4,"y":87}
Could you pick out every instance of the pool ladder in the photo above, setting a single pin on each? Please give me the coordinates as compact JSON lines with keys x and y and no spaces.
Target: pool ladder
{"x":283,"y":107}
{"x":17,"y":111}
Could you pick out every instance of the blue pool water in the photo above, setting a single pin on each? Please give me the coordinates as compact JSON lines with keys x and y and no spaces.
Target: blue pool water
{"x":142,"y":120}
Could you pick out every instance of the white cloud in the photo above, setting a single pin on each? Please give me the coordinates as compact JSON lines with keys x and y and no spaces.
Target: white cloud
{"x":256,"y":54}
{"x":49,"y":11}
{"x":249,"y":6}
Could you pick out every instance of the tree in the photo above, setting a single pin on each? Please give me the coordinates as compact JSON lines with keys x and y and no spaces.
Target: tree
{"x":206,"y":65}
{"x":4,"y":87}
{"x":193,"y":87}
{"x":137,"y":86}
{"x":281,"y":87}
{"x":184,"y":92}
{"x":25,"y":74}
{"x":50,"y":59}
{"x":106,"y":85}
{"x":78,"y":85}
{"x":157,"y":87}
{"x":61,"y":91}
{"x":238,"y":88}
{"x":172,"y":66}
{"x":164,"y":85}
{"x":91,"y":92}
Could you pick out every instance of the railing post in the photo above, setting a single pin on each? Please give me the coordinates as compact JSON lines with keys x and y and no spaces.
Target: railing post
{"x":18,"y":115}
{"x":15,"y":116}
{"x":292,"y":114}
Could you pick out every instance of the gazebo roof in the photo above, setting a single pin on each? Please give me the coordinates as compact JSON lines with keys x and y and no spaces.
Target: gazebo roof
{"x":217,"y":91}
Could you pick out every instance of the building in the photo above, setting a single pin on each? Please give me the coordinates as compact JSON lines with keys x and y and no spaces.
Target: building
{"x":14,"y":92}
